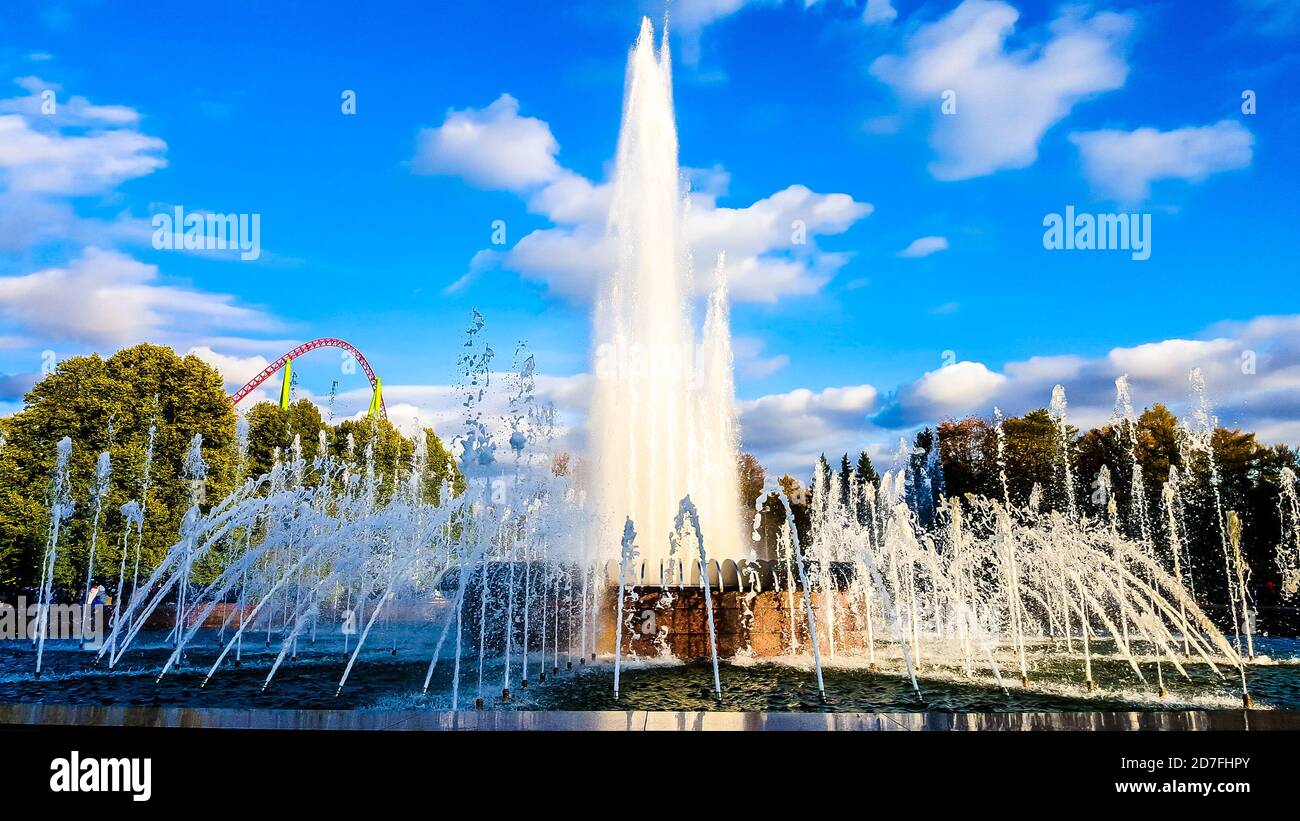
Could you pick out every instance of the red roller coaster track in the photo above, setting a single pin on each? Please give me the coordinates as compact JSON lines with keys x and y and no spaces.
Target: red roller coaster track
{"x":327,"y":342}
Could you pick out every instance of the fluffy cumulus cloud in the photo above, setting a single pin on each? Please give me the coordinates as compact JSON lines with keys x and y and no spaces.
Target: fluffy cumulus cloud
{"x":951,"y":390}
{"x":1006,"y":97}
{"x":61,"y":158}
{"x":235,"y":370}
{"x":788,"y":430}
{"x":106,"y":298}
{"x":56,"y":148}
{"x":1252,"y":368}
{"x":1123,"y":164}
{"x":72,"y":147}
{"x":492,"y":147}
{"x":771,"y":245}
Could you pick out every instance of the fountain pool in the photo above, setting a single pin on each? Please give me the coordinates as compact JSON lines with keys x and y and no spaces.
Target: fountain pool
{"x":387,"y":682}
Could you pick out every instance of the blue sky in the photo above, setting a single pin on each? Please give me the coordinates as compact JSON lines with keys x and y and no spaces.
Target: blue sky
{"x":369,"y":222}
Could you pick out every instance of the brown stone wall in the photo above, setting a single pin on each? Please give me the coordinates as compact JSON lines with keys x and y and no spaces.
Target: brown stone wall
{"x":766,"y":631}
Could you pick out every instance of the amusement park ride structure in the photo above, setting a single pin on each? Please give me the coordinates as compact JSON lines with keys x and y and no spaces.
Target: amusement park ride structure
{"x":377,"y":407}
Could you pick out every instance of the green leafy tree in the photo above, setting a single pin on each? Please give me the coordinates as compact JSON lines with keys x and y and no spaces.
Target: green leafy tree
{"x":1033,"y":446}
{"x":110,"y":404}
{"x":752,"y":476}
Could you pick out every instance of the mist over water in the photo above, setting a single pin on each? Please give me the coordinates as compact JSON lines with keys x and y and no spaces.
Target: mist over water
{"x":663,"y":417}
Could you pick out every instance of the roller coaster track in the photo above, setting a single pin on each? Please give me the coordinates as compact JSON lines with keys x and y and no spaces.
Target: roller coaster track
{"x":325,"y":342}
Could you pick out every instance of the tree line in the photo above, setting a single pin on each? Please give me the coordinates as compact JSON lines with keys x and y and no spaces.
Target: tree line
{"x":961,"y":457}
{"x":143,"y":405}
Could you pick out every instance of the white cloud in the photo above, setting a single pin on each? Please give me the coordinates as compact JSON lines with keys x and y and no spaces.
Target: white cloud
{"x":48,"y":158}
{"x":751,"y":363}
{"x":1170,"y":360}
{"x":712,"y":181}
{"x":693,"y":15}
{"x":924,"y":247}
{"x":492,"y":147}
{"x":879,"y":12}
{"x":72,"y":111}
{"x":54,"y":163}
{"x":1252,"y":370}
{"x":788,"y":430}
{"x":481,"y":261}
{"x":957,"y":386}
{"x":1123,"y":164}
{"x":1006,"y":99}
{"x":236,"y":371}
{"x":765,"y":258}
{"x":107,"y":298}
{"x":29,"y":220}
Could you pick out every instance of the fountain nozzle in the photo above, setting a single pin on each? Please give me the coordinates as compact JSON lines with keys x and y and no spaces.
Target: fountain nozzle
{"x":524,"y":683}
{"x":505,"y":695}
{"x":1092,"y":685}
{"x":1247,"y":702}
{"x":478,"y":703}
{"x":1024,"y":681}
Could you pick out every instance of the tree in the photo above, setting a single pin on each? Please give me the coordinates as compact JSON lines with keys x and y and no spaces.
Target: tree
{"x":271,"y":429}
{"x":1033,"y":452}
{"x":1157,"y":433}
{"x":440,"y":468}
{"x":268,"y":432}
{"x":752,"y":478}
{"x":968,"y":451}
{"x":798,"y":504}
{"x":846,"y":482}
{"x":865,"y":471}
{"x":110,"y":404}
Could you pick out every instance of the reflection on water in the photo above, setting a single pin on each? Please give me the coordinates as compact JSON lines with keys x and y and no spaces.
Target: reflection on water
{"x":385,"y":681}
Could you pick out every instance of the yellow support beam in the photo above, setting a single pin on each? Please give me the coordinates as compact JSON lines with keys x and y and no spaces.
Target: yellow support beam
{"x":286,"y":384}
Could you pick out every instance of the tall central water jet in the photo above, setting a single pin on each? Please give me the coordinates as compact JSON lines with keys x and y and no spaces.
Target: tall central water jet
{"x":663,"y":415}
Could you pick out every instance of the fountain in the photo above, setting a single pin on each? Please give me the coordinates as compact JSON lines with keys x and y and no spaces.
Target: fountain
{"x":662,"y":419}
{"x":894,"y":581}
